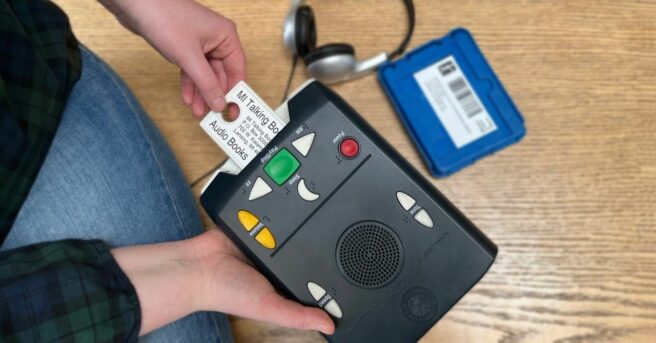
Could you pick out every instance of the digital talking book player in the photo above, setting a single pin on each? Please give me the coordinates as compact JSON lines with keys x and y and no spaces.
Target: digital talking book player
{"x":334,"y":217}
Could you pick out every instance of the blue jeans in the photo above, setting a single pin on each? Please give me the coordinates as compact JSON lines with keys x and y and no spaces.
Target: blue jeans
{"x":110,"y":175}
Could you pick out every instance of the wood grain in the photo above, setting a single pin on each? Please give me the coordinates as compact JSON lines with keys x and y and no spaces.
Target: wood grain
{"x":572,"y":207}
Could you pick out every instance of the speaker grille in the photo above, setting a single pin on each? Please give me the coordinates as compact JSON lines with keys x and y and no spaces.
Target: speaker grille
{"x":369,"y":254}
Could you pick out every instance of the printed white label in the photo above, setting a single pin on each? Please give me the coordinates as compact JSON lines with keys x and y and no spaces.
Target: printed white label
{"x":247,"y":135}
{"x":454,"y":101}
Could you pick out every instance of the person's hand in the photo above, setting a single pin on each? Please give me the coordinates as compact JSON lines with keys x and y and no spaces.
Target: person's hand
{"x":233,"y":286}
{"x":208,"y":273}
{"x":201,"y":42}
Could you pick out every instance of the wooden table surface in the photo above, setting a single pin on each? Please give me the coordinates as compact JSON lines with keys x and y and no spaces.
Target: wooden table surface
{"x":571,"y":207}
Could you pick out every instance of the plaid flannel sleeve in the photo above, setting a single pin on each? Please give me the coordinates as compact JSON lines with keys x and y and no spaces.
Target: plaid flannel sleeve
{"x":71,"y":291}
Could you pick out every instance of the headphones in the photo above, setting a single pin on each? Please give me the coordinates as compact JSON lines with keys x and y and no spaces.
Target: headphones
{"x":333,"y":62}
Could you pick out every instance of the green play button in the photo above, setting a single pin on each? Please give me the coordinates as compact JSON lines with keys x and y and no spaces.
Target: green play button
{"x":281,"y":166}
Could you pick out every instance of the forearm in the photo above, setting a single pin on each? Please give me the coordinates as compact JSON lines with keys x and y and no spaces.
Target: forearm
{"x":165,"y":277}
{"x":121,"y":10}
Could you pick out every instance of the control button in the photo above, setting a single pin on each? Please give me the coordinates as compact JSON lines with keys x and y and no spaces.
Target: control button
{"x":260,"y":189}
{"x":265,"y":237}
{"x":349,"y":147}
{"x":247,"y":219}
{"x":282,"y":166}
{"x":405,"y":200}
{"x":316,"y":290}
{"x":304,"y":144}
{"x":423,"y":218}
{"x":333,"y":308}
{"x":305,"y":193}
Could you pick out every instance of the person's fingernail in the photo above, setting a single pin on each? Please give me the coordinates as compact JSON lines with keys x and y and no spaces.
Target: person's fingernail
{"x":218,"y":104}
{"x":324,"y":329}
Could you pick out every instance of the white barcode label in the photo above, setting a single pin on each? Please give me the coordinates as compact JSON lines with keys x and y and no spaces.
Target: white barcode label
{"x":454,"y":101}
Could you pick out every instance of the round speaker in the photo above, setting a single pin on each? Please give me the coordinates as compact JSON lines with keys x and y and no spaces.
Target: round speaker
{"x":369,"y":254}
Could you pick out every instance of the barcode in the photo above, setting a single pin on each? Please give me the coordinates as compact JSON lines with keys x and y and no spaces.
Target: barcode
{"x":465,"y":97}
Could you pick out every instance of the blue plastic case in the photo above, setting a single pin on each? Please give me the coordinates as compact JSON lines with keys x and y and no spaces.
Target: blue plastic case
{"x":447,"y":122}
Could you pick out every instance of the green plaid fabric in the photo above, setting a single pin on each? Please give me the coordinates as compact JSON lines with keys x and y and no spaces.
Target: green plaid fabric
{"x":39,"y":63}
{"x":70,"y":291}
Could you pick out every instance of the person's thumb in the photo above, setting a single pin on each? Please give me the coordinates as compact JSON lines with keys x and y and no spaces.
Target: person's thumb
{"x":281,"y":311}
{"x":206,"y":81}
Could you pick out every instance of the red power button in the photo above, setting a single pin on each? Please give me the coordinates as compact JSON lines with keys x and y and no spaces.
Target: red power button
{"x":349,"y":147}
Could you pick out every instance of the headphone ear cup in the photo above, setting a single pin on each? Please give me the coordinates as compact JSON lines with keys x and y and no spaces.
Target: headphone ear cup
{"x":328,"y":50}
{"x":331,"y":62}
{"x":305,"y":31}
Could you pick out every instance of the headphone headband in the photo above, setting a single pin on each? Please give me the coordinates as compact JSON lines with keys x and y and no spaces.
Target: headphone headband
{"x":333,"y":62}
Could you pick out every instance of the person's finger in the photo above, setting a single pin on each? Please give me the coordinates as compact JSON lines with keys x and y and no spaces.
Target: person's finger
{"x":231,"y":111}
{"x":276,"y":309}
{"x":235,"y":67}
{"x":219,"y":70}
{"x":198,"y":104}
{"x":187,"y":88}
{"x":231,"y":53}
{"x":203,"y":76}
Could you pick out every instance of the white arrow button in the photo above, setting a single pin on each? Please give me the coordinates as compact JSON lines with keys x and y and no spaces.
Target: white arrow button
{"x":405,"y":200}
{"x":333,"y":308}
{"x":316,"y":290}
{"x":424,"y":218}
{"x":304,"y":144}
{"x":260,"y":189}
